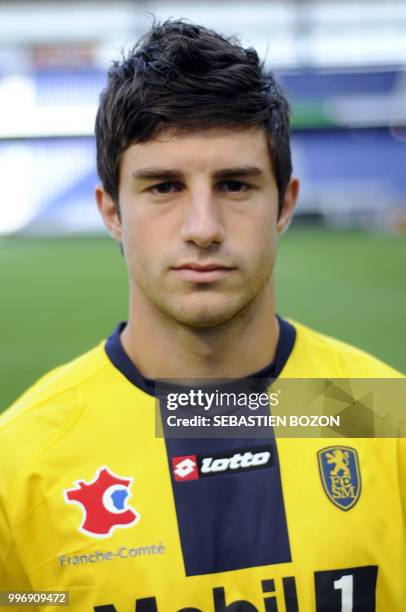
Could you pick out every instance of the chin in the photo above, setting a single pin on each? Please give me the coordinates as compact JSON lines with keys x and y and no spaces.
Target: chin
{"x":205,"y":316}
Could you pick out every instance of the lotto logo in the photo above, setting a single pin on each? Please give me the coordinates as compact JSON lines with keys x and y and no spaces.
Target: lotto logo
{"x":185,"y":468}
{"x":193,"y":467}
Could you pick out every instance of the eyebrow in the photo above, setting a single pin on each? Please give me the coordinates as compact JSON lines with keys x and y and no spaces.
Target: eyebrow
{"x":162,"y":174}
{"x":239,"y":171}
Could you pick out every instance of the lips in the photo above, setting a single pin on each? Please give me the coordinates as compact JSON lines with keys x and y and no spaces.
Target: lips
{"x":200,"y":273}
{"x":202,"y":268}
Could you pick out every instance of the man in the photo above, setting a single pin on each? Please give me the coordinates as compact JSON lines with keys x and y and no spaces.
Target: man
{"x":194,"y":158}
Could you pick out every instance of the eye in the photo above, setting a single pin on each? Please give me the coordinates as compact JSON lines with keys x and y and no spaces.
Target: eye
{"x":233,"y":186}
{"x":165,"y":188}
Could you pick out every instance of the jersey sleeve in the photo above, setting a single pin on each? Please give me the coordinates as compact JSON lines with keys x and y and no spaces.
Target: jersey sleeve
{"x":402,"y":490}
{"x":402,"y":478}
{"x":12,"y":575}
{"x":26,"y":430}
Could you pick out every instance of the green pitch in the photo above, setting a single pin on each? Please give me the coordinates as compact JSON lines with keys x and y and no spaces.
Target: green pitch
{"x":61,"y":296}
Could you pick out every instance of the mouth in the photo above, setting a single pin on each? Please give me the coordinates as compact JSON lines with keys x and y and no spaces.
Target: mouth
{"x":207,"y":273}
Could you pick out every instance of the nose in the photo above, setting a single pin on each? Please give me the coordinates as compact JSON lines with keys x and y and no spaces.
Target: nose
{"x":202,"y":222}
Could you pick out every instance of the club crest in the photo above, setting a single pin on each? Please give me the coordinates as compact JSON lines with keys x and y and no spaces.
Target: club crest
{"x":340,"y":475}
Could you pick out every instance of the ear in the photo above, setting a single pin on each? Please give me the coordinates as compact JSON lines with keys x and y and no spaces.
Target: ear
{"x":109,"y":211}
{"x":288,"y":207}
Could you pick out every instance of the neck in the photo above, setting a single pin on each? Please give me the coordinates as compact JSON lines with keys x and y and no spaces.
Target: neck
{"x":163,"y":348}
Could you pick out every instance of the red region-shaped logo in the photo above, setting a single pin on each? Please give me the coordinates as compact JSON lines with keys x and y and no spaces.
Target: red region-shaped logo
{"x":104,"y":503}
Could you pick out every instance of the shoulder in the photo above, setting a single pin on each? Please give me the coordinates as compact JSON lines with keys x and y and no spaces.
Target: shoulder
{"x":319,"y":355}
{"x":50,"y":407}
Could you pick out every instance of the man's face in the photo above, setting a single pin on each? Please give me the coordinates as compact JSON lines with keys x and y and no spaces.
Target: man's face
{"x":199,"y":222}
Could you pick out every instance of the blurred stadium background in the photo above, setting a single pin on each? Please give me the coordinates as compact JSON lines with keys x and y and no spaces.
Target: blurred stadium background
{"x":342,"y":266}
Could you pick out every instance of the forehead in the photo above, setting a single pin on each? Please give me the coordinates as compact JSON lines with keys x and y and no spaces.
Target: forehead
{"x":201,"y":151}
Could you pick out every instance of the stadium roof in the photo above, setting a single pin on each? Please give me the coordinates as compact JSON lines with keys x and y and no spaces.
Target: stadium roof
{"x":290,"y":32}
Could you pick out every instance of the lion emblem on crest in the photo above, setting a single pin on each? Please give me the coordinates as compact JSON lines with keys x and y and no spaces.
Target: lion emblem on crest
{"x":340,"y":459}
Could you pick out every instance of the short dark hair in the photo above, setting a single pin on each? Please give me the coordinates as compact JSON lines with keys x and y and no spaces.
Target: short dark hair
{"x":188,"y":77}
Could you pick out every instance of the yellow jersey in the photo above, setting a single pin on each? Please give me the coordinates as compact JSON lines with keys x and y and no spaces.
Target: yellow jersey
{"x":92,"y":502}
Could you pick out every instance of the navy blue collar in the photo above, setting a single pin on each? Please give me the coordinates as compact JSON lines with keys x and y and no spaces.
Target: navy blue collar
{"x":119,"y":358}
